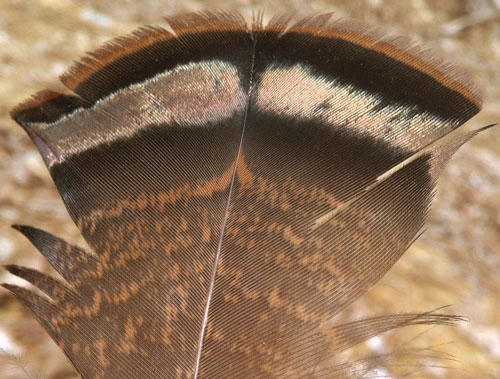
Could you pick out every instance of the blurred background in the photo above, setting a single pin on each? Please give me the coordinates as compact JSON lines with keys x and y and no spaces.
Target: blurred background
{"x":456,"y":262}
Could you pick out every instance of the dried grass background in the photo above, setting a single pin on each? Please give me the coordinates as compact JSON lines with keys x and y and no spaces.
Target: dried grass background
{"x":457,"y":261}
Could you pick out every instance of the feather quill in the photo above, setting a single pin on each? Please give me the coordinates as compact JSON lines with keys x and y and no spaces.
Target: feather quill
{"x":238,"y":187}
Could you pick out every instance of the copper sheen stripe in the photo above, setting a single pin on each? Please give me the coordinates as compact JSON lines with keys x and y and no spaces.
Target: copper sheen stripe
{"x":396,"y":53}
{"x":142,"y":38}
{"x":147,"y":37}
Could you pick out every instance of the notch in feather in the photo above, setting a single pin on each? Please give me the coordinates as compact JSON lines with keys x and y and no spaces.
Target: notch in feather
{"x":238,"y":187}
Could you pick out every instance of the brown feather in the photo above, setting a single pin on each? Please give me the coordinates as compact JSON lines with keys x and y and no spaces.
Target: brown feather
{"x":238,"y":188}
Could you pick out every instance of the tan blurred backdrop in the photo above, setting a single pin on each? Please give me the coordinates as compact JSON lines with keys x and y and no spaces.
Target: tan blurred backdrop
{"x":456,"y":262}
